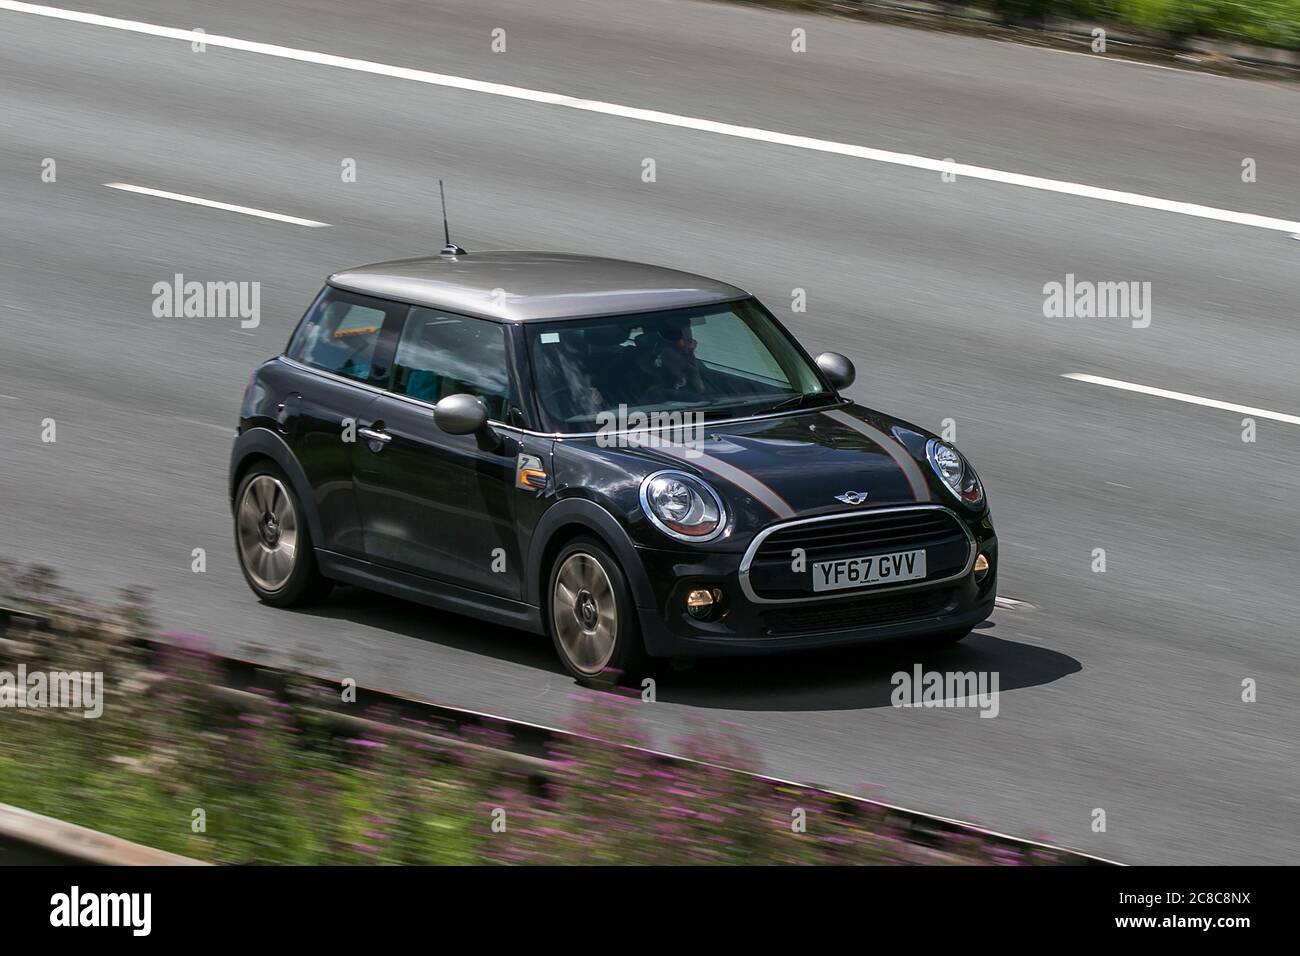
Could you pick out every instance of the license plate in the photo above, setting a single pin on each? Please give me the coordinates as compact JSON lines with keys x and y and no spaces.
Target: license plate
{"x":863,"y":572}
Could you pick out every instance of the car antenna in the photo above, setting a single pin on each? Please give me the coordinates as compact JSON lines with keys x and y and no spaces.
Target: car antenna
{"x":450,"y":250}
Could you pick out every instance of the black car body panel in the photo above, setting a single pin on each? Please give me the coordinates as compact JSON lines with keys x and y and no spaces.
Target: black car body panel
{"x":446,"y":520}
{"x":771,"y":472}
{"x":771,"y":468}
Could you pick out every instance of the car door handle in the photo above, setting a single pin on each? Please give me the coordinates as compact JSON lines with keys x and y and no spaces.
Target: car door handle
{"x":375,"y":434}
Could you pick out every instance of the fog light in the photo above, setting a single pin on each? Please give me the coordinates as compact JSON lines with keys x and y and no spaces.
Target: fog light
{"x":699,"y":598}
{"x":981,"y":566}
{"x":701,"y":602}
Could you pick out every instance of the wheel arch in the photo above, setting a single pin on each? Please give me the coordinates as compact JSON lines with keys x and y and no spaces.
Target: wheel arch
{"x":262,"y":444}
{"x":572,"y":518}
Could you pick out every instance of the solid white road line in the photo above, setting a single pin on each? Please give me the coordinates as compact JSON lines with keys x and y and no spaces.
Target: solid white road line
{"x":1184,"y":397}
{"x":663,"y":119}
{"x":195,"y":200}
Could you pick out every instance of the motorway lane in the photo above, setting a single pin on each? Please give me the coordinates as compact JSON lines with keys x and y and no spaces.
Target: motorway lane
{"x":1134,"y":127}
{"x":1121,"y":689}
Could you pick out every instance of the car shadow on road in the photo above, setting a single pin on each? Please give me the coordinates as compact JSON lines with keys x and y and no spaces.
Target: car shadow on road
{"x":837,"y":679}
{"x":432,"y":626}
{"x":855,"y":678}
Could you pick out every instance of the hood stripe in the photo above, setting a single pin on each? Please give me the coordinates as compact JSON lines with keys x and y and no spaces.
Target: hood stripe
{"x":891,"y":447}
{"x":730,"y":473}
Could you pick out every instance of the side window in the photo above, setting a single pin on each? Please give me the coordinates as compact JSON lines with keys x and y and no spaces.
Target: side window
{"x":441,"y":354}
{"x":341,"y":333}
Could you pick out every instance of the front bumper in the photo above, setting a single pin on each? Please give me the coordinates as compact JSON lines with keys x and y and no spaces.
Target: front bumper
{"x":744,"y":627}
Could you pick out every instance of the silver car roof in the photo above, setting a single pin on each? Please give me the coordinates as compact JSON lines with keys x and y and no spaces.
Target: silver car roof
{"x":533,"y":286}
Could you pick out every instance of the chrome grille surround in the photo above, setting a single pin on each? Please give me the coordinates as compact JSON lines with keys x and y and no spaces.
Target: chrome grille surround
{"x":747,"y":561}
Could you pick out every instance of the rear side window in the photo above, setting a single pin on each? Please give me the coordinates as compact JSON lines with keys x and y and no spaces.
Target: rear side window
{"x":441,"y":354}
{"x":341,"y":333}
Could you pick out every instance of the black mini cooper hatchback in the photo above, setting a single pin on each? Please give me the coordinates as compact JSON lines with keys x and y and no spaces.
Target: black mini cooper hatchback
{"x":639,"y":462}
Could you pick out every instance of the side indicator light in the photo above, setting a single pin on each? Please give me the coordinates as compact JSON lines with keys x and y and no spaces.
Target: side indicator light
{"x":529,"y":473}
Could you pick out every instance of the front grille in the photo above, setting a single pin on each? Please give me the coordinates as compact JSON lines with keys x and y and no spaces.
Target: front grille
{"x":847,"y":615}
{"x":772,"y":575}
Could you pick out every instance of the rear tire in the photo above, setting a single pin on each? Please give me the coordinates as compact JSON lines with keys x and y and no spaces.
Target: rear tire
{"x":592,"y":618}
{"x":273,"y":540}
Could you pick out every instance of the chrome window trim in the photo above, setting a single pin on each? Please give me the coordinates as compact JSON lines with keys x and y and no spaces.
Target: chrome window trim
{"x":759,"y":538}
{"x":366,"y":386}
{"x":559,"y":436}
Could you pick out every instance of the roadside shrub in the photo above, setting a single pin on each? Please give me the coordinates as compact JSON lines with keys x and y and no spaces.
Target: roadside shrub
{"x":1025,"y":12}
{"x":279,"y":779}
{"x":1266,"y":22}
{"x":1269,"y":22}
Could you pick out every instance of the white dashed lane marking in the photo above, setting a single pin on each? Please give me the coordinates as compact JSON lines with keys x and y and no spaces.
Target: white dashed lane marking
{"x":1183,"y":397}
{"x":228,"y":430}
{"x":212,"y":204}
{"x":1011,"y":604}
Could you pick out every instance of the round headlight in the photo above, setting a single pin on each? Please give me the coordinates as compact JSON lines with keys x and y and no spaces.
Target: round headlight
{"x":955,"y":472}
{"x":682,"y":506}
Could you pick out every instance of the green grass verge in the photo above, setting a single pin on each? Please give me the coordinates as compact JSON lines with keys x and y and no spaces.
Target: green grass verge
{"x":275,"y":784}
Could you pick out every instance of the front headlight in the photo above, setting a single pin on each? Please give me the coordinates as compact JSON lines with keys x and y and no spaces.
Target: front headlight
{"x":682,"y":506}
{"x":955,"y":472}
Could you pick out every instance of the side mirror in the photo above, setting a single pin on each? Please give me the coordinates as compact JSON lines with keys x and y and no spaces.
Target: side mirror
{"x":461,"y":415}
{"x":838,"y":369}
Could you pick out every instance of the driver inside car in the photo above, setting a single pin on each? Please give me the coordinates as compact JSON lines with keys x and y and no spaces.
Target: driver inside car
{"x":674,"y":357}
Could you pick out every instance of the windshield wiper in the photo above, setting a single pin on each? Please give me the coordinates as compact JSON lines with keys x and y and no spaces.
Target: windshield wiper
{"x":794,"y":401}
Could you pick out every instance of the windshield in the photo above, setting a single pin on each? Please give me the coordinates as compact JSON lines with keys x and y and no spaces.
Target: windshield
{"x":719,"y":361}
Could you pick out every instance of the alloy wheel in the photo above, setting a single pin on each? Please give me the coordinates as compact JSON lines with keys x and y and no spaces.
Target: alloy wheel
{"x":268,"y":532}
{"x":584,"y":613}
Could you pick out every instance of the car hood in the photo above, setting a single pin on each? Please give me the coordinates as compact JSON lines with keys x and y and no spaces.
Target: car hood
{"x":787,"y":466}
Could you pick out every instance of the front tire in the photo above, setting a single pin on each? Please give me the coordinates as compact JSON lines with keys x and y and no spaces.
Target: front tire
{"x":592,"y":618}
{"x":274,"y":542}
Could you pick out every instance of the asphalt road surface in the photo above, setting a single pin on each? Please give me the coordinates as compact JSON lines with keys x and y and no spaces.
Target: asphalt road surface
{"x":1121,"y":690}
